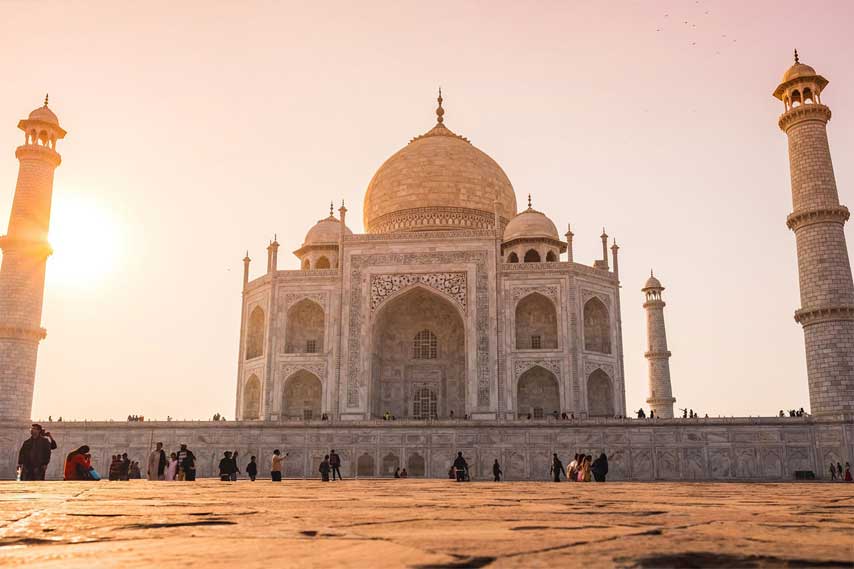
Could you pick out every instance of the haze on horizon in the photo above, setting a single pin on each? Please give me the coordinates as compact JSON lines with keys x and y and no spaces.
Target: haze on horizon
{"x":198,"y":130}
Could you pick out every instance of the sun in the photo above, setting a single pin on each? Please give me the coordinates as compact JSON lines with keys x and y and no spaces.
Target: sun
{"x":86,"y":239}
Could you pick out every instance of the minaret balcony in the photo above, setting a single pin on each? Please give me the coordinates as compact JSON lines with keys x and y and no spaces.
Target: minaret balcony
{"x":799,"y":219}
{"x":808,"y":316}
{"x":801,"y":113}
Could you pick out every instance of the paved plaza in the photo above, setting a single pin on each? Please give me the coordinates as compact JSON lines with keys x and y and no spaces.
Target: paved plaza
{"x":424,"y":524}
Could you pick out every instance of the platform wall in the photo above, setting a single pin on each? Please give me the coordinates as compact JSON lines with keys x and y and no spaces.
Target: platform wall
{"x":679,"y":449}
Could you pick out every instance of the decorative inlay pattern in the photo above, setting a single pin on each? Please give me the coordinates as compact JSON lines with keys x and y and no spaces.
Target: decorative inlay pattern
{"x":444,"y":217}
{"x":385,"y":286}
{"x":293,"y":298}
{"x":521,"y":366}
{"x":317,"y":368}
{"x":423,"y":235}
{"x":588,"y":294}
{"x":521,"y":292}
{"x":590,"y":367}
{"x":358,"y":263}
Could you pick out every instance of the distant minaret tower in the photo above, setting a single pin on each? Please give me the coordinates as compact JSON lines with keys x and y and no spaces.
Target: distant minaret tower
{"x":827,"y":291}
{"x":660,"y":393}
{"x":25,"y":251}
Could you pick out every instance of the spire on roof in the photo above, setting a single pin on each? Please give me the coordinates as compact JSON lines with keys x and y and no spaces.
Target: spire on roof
{"x":529,"y":201}
{"x":45,"y":99}
{"x":796,"y":56}
{"x":439,"y":110}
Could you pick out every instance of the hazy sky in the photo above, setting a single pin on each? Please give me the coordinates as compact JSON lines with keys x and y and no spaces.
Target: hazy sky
{"x":197,"y":130}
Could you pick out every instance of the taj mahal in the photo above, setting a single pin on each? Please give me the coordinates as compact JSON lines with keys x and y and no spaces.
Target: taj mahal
{"x":467,"y":320}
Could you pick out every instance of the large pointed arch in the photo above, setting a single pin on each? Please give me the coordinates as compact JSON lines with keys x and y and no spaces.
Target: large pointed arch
{"x":536,"y":323}
{"x":537,"y":393}
{"x":597,"y":326}
{"x":302,"y":394}
{"x":255,"y":333}
{"x":306,"y":327}
{"x":600,"y":394}
{"x":252,"y":398}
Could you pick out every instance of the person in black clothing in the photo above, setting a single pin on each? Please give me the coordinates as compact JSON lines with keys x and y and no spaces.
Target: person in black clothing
{"x":35,"y":454}
{"x":335,"y":464}
{"x":227,"y":467}
{"x":496,"y":471}
{"x":324,"y":469}
{"x":599,"y":468}
{"x":557,"y":468}
{"x":252,"y":468}
{"x":397,"y":472}
{"x":461,"y":467}
{"x":186,"y":464}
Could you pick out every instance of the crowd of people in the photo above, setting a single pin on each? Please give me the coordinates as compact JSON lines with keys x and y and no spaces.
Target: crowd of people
{"x":35,"y":453}
{"x":794,"y":413}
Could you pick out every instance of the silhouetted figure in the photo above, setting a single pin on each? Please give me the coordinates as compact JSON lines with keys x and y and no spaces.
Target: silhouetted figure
{"x":847,"y":477}
{"x":496,"y":471}
{"x":652,"y":414}
{"x":404,"y":473}
{"x":461,"y":467}
{"x":599,"y":468}
{"x":557,"y":468}
{"x":641,"y":414}
{"x":397,"y":472}
{"x":839,"y":470}
{"x":335,"y":464}
{"x":124,"y":467}
{"x":34,"y":455}
{"x":227,"y":467}
{"x":186,"y":464}
{"x":252,"y":468}
{"x":324,"y":469}
{"x":832,"y":472}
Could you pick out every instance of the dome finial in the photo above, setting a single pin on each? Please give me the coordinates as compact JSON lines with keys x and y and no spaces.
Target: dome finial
{"x":45,"y":98}
{"x":331,"y":205}
{"x":439,"y":110}
{"x":796,"y":56}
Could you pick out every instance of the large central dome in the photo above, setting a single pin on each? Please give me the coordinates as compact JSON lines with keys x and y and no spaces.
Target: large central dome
{"x":438,"y":181}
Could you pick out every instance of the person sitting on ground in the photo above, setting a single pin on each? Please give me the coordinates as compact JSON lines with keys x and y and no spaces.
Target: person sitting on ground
{"x":252,"y":468}
{"x":77,"y":466}
{"x":227,"y":467}
{"x":404,"y":473}
{"x":461,"y":467}
{"x":324,"y":469}
{"x":599,"y":468}
{"x":397,"y":472}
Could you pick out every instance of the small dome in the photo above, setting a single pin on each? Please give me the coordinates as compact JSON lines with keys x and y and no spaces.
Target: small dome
{"x":530,"y":224}
{"x":325,"y":231}
{"x":44,"y":114}
{"x":797,"y":71}
{"x":652,"y":282}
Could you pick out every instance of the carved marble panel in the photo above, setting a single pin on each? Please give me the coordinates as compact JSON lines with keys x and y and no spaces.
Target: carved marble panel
{"x":720,"y":463}
{"x":521,"y":366}
{"x":451,"y":285}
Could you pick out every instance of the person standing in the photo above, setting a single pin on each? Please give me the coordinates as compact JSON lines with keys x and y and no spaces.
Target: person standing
{"x":324,"y":469}
{"x":172,"y":468}
{"x":252,"y":468}
{"x":584,"y":471}
{"x":557,"y":468}
{"x":124,"y":467}
{"x":832,"y":472}
{"x":839,"y":470}
{"x":34,"y":455}
{"x":461,"y":467}
{"x":599,"y":468}
{"x":236,"y":468}
{"x":133,"y":472}
{"x":186,"y":464}
{"x":157,"y":463}
{"x":335,"y":464}
{"x":276,"y":466}
{"x":847,"y":477}
{"x":227,"y":466}
{"x":397,"y":472}
{"x":496,"y":471}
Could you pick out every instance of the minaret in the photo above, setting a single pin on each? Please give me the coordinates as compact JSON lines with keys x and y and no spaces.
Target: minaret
{"x":658,"y":356}
{"x":25,"y":252}
{"x":827,"y":291}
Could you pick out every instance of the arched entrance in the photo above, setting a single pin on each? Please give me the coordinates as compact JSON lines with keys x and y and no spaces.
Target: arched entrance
{"x":416,"y":465}
{"x":252,"y":399}
{"x":418,"y":360}
{"x":301,"y":396}
{"x":305,"y":328}
{"x":536,"y":323}
{"x":365,"y":465}
{"x":600,"y":395}
{"x":537,"y":393}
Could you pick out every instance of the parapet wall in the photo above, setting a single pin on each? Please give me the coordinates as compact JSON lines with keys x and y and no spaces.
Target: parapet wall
{"x":676,"y":449}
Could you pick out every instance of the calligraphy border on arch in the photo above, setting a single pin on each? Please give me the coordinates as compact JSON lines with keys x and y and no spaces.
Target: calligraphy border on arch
{"x":358,"y":263}
{"x":521,"y":366}
{"x":451,"y":284}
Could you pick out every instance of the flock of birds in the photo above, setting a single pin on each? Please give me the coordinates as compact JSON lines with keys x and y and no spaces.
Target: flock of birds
{"x":692,"y":25}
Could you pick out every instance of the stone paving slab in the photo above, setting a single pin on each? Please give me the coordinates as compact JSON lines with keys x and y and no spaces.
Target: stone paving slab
{"x":424,"y":524}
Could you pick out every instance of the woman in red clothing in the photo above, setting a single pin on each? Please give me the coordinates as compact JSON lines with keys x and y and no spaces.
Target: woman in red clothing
{"x":77,"y":465}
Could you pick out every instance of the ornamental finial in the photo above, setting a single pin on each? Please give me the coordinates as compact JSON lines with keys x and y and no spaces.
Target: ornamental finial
{"x":529,"y":201}
{"x":439,"y":110}
{"x":796,"y":56}
{"x":331,"y":205}
{"x":45,"y":99}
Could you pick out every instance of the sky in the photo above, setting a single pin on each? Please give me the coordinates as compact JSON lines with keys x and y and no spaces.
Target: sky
{"x":197,"y":130}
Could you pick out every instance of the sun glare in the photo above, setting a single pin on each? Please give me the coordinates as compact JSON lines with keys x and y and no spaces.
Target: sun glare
{"x":85,"y":236}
